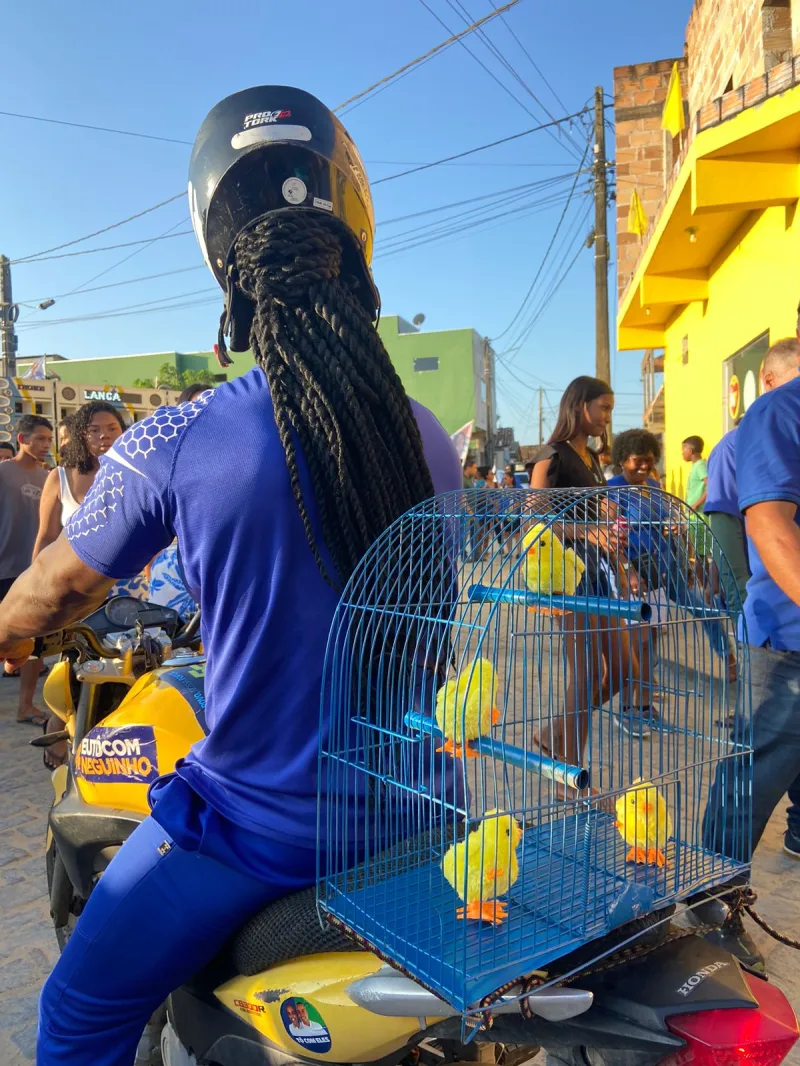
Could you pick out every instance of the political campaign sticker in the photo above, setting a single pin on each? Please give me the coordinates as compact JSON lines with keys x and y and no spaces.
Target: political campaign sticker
{"x":304,"y":1024}
{"x":733,"y":396}
{"x":190,"y":682}
{"x":127,"y":754}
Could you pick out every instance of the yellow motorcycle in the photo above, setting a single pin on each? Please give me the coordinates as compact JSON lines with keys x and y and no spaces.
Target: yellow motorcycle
{"x":129,"y":688}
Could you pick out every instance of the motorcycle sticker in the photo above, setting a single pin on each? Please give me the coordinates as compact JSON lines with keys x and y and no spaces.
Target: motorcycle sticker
{"x":190,"y":682}
{"x":304,"y":1024}
{"x":127,"y":754}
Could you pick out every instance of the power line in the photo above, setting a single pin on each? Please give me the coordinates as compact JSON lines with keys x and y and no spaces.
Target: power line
{"x":530,"y":57}
{"x":126,"y":307}
{"x":427,"y":55}
{"x":497,"y":53}
{"x":546,"y":299}
{"x":528,"y":187}
{"x":480,"y":148}
{"x":480,"y":62}
{"x":466,"y":227}
{"x":408,"y":163}
{"x":97,"y":232}
{"x":112,"y":285}
{"x":43,"y":324}
{"x":107,"y":248}
{"x":547,"y":252}
{"x":87,"y":126}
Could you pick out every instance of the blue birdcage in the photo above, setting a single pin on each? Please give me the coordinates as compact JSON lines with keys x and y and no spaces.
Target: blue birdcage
{"x":530,"y":698}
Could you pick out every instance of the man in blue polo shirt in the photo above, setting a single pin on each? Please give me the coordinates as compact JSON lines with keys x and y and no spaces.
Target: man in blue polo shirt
{"x":767,"y":452}
{"x":722,"y":500}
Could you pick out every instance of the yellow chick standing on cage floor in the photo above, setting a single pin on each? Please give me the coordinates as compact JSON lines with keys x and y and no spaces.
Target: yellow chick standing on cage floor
{"x":550,"y":567}
{"x":643,"y":822}
{"x":488,"y":860}
{"x":465,"y":708}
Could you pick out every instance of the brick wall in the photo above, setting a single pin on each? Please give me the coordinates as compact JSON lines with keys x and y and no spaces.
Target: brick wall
{"x":641,"y":146}
{"x":729,"y":42}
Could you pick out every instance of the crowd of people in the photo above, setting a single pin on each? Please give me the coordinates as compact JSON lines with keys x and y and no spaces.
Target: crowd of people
{"x":342,"y":453}
{"x":41,"y":487}
{"x":742,"y":545}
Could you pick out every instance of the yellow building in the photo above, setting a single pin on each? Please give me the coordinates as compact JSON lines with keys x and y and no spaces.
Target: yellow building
{"x":716,"y":278}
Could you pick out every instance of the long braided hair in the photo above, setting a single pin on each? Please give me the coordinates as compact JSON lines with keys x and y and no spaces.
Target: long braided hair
{"x":333,"y":386}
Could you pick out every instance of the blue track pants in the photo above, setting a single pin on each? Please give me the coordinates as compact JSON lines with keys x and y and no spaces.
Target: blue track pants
{"x":158,"y":915}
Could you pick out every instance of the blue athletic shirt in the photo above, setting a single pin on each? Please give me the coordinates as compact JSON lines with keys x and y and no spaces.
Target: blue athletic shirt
{"x":212,"y":473}
{"x":646,"y":513}
{"x":723,"y":492}
{"x":767,"y":448}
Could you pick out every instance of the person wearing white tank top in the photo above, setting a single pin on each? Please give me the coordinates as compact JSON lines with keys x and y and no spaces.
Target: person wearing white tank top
{"x":69,"y":505}
{"x":90,"y":433}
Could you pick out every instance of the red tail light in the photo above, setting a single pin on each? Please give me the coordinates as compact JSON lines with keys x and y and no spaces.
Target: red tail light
{"x":761,"y":1036}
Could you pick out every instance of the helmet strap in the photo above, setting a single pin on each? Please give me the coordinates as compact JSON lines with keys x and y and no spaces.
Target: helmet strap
{"x":221,"y":350}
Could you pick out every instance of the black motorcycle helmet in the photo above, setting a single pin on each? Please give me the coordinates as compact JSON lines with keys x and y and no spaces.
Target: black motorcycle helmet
{"x":266,"y":149}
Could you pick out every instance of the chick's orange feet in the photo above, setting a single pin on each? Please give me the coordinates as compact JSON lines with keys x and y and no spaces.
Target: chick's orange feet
{"x":451,"y":748}
{"x":647,"y":856}
{"x":493,"y":912}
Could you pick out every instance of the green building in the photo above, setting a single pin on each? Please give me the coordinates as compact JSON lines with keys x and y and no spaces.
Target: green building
{"x":447,"y":370}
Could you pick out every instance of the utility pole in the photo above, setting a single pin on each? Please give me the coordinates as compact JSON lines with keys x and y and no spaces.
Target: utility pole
{"x":602,"y":339}
{"x":8,"y":316}
{"x":541,"y":426}
{"x":488,"y":378}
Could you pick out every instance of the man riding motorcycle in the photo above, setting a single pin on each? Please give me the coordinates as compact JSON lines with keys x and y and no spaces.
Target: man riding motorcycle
{"x":334,"y":452}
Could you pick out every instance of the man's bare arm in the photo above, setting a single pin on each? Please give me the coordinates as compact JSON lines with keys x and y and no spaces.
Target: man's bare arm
{"x":773,"y":530}
{"x":57,"y":589}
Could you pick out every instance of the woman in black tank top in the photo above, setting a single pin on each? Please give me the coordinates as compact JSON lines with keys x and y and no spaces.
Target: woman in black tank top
{"x":567,"y":462}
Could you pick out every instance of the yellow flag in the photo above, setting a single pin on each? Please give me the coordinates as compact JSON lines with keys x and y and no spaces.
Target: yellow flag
{"x":672,"y":118}
{"x":637,"y":219}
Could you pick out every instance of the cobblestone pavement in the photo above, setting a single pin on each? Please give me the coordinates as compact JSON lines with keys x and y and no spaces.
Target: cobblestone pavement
{"x":27,"y":945}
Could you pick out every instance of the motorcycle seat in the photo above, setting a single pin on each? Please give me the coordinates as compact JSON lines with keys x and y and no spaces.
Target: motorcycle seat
{"x":286,"y":929}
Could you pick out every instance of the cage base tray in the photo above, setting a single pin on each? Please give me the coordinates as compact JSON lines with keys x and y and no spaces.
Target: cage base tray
{"x":574,"y":886}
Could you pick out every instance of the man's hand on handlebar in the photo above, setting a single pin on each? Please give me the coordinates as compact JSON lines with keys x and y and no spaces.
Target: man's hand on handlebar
{"x":16,"y":653}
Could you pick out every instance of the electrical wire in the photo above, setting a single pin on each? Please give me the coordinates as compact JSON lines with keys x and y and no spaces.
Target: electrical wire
{"x":548,"y":250}
{"x":87,"y":126}
{"x":105,"y":229}
{"x":496,"y":195}
{"x":100,"y":315}
{"x":533,"y":62}
{"x":480,"y":148}
{"x":408,"y":163}
{"x":130,"y":307}
{"x":112,"y":285}
{"x":427,"y":55}
{"x":107,"y":248}
{"x":555,"y":284}
{"x":482,"y":65}
{"x":466,"y":228}
{"x":459,"y":8}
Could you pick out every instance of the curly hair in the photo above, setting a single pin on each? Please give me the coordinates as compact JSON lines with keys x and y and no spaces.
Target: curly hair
{"x":336,"y":396}
{"x":76,"y":453}
{"x":634,"y":442}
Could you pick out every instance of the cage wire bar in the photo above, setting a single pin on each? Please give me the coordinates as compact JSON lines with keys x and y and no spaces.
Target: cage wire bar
{"x":528,"y":696}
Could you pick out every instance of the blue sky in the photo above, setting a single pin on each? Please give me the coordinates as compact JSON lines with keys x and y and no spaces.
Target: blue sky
{"x":157,"y":68}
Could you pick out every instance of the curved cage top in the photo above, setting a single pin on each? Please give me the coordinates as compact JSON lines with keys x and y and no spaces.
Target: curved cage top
{"x":527,"y":700}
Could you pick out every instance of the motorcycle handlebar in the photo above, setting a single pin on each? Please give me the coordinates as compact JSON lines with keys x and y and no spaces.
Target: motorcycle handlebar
{"x":189,"y":631}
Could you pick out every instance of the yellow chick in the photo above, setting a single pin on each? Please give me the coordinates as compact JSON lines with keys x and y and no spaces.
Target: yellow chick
{"x":644,"y":822}
{"x":550,"y":567}
{"x":490,"y":853}
{"x":465,"y":708}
